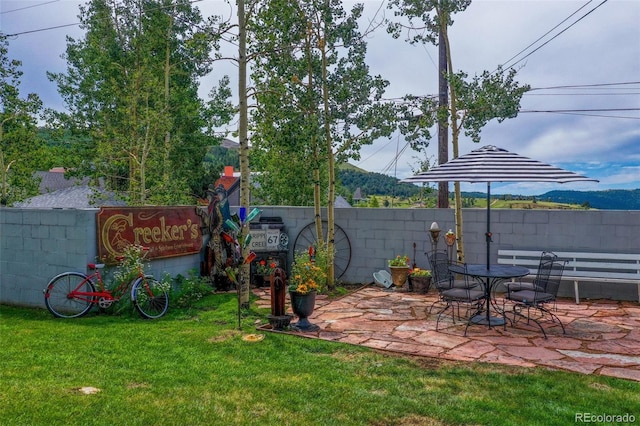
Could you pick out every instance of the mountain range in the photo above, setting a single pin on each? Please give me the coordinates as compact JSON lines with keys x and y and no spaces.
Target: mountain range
{"x":371,"y":183}
{"x":611,"y":199}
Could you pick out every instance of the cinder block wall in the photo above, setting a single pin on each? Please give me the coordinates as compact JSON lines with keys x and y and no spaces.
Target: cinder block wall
{"x":37,"y":244}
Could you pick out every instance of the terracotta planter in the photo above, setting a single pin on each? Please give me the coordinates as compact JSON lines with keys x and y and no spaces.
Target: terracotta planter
{"x":399,"y":275}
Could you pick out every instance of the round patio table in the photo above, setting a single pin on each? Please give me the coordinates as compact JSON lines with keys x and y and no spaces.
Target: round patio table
{"x":490,"y":277}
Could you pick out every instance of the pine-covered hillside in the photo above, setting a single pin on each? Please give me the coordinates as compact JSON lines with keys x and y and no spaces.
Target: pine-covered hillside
{"x":375,"y":184}
{"x":612,"y":199}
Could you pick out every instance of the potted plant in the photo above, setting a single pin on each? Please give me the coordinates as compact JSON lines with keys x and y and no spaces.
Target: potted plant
{"x":399,"y":267}
{"x":264,"y":269}
{"x":307,"y":278}
{"x":420,"y":280}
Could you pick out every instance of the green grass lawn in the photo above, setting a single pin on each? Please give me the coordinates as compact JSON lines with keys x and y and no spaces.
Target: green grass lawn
{"x":193,"y":368}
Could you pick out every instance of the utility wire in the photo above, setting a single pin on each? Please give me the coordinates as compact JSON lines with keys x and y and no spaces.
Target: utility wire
{"x":582,"y":86}
{"x":28,"y":7}
{"x":623,"y":91}
{"x":553,"y":38}
{"x":544,"y":35}
{"x":595,"y":115}
{"x":78,"y":23}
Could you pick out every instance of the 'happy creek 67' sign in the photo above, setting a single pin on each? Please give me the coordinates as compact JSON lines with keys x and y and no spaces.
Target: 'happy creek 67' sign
{"x":167,"y":231}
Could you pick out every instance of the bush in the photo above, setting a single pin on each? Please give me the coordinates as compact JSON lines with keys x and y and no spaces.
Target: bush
{"x":189,"y":290}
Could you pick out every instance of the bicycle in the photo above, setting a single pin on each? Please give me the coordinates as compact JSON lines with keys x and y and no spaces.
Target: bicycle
{"x":73,"y":294}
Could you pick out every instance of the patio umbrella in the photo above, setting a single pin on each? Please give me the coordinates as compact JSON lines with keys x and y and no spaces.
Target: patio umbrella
{"x":492,"y":164}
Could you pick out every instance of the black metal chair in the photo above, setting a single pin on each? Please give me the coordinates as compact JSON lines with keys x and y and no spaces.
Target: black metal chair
{"x":544,"y":291}
{"x":545,"y":258}
{"x":441,"y":276}
{"x":456,"y":292}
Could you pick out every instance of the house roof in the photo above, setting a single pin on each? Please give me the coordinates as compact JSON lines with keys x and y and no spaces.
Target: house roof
{"x":229,"y":144}
{"x":357,"y":195}
{"x":341,"y":202}
{"x":73,"y":197}
{"x":54,"y":180}
{"x":230,"y":183}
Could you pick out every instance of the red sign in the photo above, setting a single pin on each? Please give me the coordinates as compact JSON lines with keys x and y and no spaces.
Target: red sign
{"x":167,"y":231}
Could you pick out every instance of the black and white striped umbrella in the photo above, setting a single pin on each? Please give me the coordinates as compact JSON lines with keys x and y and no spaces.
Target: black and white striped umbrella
{"x":493,"y":164}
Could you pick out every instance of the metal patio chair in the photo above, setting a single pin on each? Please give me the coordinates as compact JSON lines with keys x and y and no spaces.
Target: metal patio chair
{"x":441,"y":276}
{"x":468,"y":293}
{"x":537,"y":299}
{"x":545,"y":259}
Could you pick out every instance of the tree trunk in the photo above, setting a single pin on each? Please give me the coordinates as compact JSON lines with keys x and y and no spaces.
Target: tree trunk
{"x":443,"y":128}
{"x":455,"y":133}
{"x":243,"y":279}
{"x":332,"y":174}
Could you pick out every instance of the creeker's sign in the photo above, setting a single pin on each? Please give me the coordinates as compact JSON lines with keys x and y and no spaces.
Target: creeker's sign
{"x":167,"y":231}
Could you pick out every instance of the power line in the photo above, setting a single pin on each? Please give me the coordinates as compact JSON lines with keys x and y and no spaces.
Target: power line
{"x":554,"y":37}
{"x":28,"y":7}
{"x":596,"y":115}
{"x":43,"y":29}
{"x":584,"y":112}
{"x":584,"y":94}
{"x":582,"y":86}
{"x":78,"y":23}
{"x":545,"y":34}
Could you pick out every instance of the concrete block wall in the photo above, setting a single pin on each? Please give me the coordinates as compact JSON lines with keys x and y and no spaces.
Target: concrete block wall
{"x":37,"y":244}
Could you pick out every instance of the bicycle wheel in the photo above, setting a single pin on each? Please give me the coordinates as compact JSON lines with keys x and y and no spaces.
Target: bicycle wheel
{"x":150,"y":297}
{"x":60,"y":295}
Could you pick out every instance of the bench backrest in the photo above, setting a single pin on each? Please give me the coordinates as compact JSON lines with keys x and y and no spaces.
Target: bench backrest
{"x":579,"y":264}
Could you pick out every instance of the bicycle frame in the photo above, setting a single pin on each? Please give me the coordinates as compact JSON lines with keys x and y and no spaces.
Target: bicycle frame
{"x":103,"y":294}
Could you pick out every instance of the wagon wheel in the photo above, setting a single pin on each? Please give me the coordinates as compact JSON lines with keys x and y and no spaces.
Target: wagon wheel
{"x":307,"y":237}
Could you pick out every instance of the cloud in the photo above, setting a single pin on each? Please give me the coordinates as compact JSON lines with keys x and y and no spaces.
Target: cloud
{"x":602,"y":47}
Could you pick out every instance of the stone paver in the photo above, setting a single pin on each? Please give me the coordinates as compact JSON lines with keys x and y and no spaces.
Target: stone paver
{"x":602,"y":337}
{"x":622,"y":373}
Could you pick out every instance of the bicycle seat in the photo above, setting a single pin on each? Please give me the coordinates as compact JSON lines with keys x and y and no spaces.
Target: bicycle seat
{"x":95,"y":265}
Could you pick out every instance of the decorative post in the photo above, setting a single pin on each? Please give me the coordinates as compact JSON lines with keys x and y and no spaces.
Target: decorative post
{"x":278,"y":319}
{"x":450,"y":240}
{"x":435,"y":235}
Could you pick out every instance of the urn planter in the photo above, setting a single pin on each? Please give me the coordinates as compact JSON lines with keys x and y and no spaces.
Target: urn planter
{"x":399,"y":275}
{"x":302,"y":306}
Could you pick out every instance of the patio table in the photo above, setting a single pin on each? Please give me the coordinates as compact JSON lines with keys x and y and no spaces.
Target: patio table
{"x":490,"y":277}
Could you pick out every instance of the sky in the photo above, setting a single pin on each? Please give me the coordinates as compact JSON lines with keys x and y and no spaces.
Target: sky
{"x":581,"y":57}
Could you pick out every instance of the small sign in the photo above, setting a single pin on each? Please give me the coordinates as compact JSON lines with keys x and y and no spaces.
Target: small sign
{"x":264,"y":240}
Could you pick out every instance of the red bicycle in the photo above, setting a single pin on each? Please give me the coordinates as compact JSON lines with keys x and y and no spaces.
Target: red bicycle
{"x":73,"y":294}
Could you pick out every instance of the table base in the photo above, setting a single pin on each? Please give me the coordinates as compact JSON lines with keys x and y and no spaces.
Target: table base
{"x":482,"y":319}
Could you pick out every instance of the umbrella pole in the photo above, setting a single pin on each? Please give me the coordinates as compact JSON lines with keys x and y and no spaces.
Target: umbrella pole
{"x":488,"y":234}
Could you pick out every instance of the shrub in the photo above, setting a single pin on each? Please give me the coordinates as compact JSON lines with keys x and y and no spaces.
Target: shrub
{"x":189,"y":290}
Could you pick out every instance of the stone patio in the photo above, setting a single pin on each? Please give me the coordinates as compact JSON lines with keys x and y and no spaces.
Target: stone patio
{"x":602,"y":337}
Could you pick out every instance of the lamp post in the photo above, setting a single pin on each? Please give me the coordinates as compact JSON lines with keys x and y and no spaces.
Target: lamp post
{"x":435,"y":235}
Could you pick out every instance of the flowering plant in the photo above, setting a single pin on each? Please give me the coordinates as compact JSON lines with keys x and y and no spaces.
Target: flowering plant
{"x":399,"y":261}
{"x":266,"y":268}
{"x":417,"y":272}
{"x":308,"y":272}
{"x":131,"y":262}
